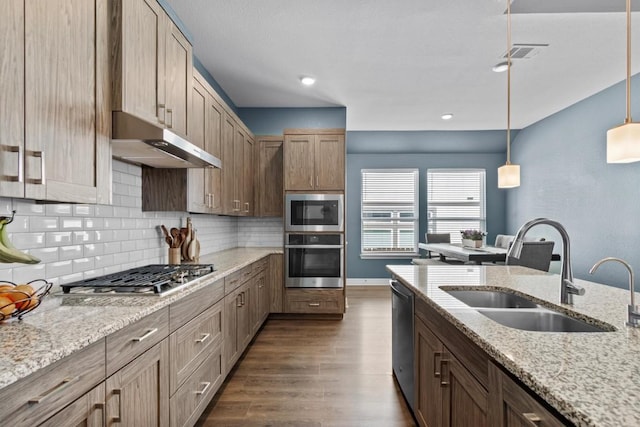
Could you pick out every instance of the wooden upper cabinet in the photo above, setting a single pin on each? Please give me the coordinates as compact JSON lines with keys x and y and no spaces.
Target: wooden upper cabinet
{"x":314,"y":161}
{"x":229,"y":202}
{"x":12,"y":99}
{"x":213,"y":145}
{"x":67,"y":122}
{"x":151,"y":64}
{"x":269,"y":195}
{"x":248,"y":182}
{"x":197,"y":196}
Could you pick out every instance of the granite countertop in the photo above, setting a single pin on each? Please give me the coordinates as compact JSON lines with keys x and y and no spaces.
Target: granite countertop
{"x":593,"y":379}
{"x":63,"y":325}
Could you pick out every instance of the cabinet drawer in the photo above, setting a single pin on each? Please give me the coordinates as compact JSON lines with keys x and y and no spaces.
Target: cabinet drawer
{"x":86,"y":411}
{"x":188,"y":307}
{"x":128,"y":343}
{"x":260,"y":266}
{"x":194,"y":395}
{"x":191,"y":344}
{"x":33,"y":399}
{"x":314,"y":301}
{"x":235,"y":279}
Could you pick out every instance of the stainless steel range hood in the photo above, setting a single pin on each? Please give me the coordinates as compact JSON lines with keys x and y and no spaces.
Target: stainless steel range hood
{"x":139,"y":141}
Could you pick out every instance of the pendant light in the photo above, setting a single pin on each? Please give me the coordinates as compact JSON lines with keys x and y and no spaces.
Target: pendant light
{"x":623,"y":142}
{"x":508,"y":174}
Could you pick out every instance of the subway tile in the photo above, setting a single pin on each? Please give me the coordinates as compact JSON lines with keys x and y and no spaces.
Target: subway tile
{"x":71,"y":223}
{"x":121,"y":235}
{"x":59,"y":238}
{"x":6,"y":275}
{"x":70,"y":252}
{"x":27,"y":240}
{"x":20,"y":224}
{"x":121,"y":212}
{"x":93,"y":249}
{"x":6,"y":206}
{"x":29,"y":273}
{"x":120,"y":189}
{"x":28,"y":207}
{"x":80,"y":237}
{"x":112,"y":247}
{"x":113,"y":223}
{"x":45,"y":255}
{"x":128,"y":223}
{"x":83,"y":264}
{"x":92,"y":273}
{"x":122,"y":257}
{"x":58,"y":210}
{"x":104,"y":211}
{"x":113,"y":269}
{"x":119,"y":166}
{"x":83,"y":210}
{"x":43,"y":223}
{"x":70,"y":278}
{"x":93,"y":223}
{"x":58,"y":269}
{"x":103,"y":261}
{"x":103,"y":235}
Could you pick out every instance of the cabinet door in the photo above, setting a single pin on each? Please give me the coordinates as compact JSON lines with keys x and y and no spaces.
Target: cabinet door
{"x":12,"y":99}
{"x":228,"y":170}
{"x":329,"y":162}
{"x":87,"y":411}
{"x":247,"y":177}
{"x":245,"y":329}
{"x":299,"y":173}
{"x":197,"y":196}
{"x":139,"y":59}
{"x":465,"y":401}
{"x":512,"y":406}
{"x":428,"y":365}
{"x":179,"y":73}
{"x":230,"y":354}
{"x":264,"y":300}
{"x":269,"y":200}
{"x":238,"y":167}
{"x":276,"y":283}
{"x":138,"y":394}
{"x":213,"y":144}
{"x":67,"y":116}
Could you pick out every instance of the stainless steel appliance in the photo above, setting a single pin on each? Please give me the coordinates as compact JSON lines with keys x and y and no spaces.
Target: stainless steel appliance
{"x":402,"y":338}
{"x":314,"y":212}
{"x":154,"y":279}
{"x":314,"y":260}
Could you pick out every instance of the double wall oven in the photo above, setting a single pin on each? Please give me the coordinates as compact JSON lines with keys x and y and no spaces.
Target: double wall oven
{"x":314,"y":241}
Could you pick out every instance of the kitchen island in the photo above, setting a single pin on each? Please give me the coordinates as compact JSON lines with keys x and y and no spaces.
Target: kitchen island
{"x":590,"y":379}
{"x":64,"y":341}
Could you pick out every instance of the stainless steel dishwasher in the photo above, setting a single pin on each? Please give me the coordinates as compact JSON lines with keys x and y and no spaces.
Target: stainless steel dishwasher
{"x":402,"y":338}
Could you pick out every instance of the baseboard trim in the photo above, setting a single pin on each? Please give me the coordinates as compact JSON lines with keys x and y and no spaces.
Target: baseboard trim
{"x":368,"y":282}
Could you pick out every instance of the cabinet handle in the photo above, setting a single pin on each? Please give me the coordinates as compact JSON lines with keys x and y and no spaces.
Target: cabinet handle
{"x":436,"y":363}
{"x":20,"y":176}
{"x":317,"y":181}
{"x":118,"y":392}
{"x":247,"y":207}
{"x":204,"y":389}
{"x":43,"y":179}
{"x":310,"y":182}
{"x":161,"y":116}
{"x":170,"y":114}
{"x":444,"y":367}
{"x":532,"y":418}
{"x":314,"y":304}
{"x":56,"y":389}
{"x":203,"y":339}
{"x":100,"y":406}
{"x":242,"y":298}
{"x":239,"y":300}
{"x":146,"y":335}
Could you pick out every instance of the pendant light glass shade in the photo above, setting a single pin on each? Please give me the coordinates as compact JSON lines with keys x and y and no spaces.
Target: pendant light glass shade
{"x":509,"y":176}
{"x":623,"y":142}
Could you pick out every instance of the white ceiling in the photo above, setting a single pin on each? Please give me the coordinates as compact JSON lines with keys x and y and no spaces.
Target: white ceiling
{"x":399,"y":65}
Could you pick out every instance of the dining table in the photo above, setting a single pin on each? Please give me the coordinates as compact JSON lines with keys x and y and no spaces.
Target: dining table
{"x":479,"y":255}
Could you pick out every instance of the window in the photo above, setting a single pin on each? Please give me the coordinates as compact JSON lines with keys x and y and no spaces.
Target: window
{"x":389,"y":212}
{"x":455,"y":201}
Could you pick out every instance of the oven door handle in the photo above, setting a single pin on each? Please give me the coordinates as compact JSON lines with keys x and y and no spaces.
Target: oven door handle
{"x":313,"y":246}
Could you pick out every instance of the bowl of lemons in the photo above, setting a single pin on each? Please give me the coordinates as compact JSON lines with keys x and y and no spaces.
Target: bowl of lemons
{"x":16,"y":300}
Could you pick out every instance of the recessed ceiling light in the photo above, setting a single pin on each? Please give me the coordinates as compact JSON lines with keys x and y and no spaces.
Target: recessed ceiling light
{"x":447,"y":116}
{"x":500,"y":67}
{"x":307,"y":80}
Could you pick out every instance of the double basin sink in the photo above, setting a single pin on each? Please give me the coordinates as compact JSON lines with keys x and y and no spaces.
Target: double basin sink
{"x":519,"y":312}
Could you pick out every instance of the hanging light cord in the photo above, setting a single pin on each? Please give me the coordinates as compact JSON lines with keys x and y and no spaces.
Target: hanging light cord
{"x":509,"y":81}
{"x":628,"y":119}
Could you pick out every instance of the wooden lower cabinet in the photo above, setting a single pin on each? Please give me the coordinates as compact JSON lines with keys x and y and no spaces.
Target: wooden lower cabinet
{"x":276,"y":283}
{"x":87,"y":411}
{"x":512,"y":406}
{"x":259,"y":301}
{"x":465,"y":400}
{"x":237,"y":326}
{"x":428,"y":391}
{"x":314,"y":301}
{"x":138,"y":394}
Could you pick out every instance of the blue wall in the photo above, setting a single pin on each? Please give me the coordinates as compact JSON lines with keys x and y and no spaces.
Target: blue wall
{"x":374,"y":268}
{"x":565,"y":177}
{"x":272,"y":121}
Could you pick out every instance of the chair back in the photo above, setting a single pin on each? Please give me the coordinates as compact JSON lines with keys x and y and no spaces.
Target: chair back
{"x":504,"y":240}
{"x":438,"y":237}
{"x":534,"y":255}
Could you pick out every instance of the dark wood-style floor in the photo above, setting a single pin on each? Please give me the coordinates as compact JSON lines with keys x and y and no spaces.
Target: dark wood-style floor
{"x":316,"y":373}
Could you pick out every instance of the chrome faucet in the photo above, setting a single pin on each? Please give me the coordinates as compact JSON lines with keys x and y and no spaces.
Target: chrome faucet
{"x":633,"y":311}
{"x":567,"y":288}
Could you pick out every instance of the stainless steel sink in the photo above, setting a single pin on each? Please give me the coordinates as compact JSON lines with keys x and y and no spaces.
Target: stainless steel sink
{"x":492,"y":299}
{"x":541,"y":320}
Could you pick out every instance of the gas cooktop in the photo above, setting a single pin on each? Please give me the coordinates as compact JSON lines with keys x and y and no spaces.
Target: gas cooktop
{"x":154,"y":279}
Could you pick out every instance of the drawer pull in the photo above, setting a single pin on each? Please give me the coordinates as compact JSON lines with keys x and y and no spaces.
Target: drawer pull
{"x":532,"y":418}
{"x":314,"y":304}
{"x":118,"y":392}
{"x":444,"y":367}
{"x":203,"y":339}
{"x":146,"y":335}
{"x":56,"y":389}
{"x":436,"y":363}
{"x":204,"y":389}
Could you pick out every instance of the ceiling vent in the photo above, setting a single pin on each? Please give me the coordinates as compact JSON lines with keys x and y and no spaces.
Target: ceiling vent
{"x":525,"y":50}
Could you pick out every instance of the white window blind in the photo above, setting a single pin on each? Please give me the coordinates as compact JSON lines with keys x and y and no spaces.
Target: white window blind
{"x":455,"y":201}
{"x":389,"y":212}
